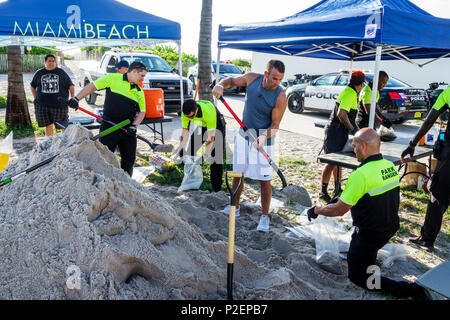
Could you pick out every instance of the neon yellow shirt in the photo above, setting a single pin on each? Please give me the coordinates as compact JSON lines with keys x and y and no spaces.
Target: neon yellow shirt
{"x":348,"y":99}
{"x":442,"y":100}
{"x":373,"y":178}
{"x":208,"y":118}
{"x":366,"y":95}
{"x":118,"y":84}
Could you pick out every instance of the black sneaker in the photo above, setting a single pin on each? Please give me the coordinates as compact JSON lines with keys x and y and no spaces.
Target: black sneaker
{"x":325,"y":197}
{"x":423,"y":243}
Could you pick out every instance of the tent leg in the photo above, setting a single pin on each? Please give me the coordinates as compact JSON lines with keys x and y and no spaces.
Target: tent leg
{"x":180,"y":72}
{"x":217,"y":71}
{"x":374,"y":87}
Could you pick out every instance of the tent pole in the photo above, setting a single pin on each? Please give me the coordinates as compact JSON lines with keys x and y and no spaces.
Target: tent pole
{"x":217,"y":70}
{"x":180,"y":72}
{"x":375,"y":86}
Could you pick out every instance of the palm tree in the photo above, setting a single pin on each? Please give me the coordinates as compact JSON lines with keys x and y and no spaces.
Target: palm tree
{"x":204,"y":51}
{"x":17,"y":113}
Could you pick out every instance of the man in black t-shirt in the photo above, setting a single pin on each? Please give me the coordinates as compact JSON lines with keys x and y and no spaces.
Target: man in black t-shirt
{"x":47,"y":86}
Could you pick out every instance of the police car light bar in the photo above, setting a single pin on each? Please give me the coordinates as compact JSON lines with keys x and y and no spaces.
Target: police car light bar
{"x":354,"y":70}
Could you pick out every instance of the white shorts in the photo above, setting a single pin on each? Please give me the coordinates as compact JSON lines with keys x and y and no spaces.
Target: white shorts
{"x":251,"y":162}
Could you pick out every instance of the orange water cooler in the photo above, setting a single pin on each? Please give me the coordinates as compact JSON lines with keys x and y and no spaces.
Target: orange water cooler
{"x":154,"y":103}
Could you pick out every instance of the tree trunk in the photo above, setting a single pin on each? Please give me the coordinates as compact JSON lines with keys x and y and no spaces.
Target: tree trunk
{"x":204,"y":51}
{"x":17,"y":113}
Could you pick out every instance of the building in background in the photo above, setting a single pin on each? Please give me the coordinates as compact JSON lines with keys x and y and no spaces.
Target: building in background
{"x":415,"y":76}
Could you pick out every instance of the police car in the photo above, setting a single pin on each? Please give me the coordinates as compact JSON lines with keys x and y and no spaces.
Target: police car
{"x":398,"y":101}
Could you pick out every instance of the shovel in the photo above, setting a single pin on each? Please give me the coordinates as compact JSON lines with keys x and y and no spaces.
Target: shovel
{"x":253,"y":138}
{"x":231,"y":230}
{"x":287,"y":190}
{"x":42,"y":163}
{"x":155,"y":147}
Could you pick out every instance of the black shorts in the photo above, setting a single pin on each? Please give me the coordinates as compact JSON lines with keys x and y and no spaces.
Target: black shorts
{"x":335,"y":138}
{"x":48,"y":115}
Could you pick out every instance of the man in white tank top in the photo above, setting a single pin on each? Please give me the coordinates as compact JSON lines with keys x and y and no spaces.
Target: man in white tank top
{"x":264,"y":108}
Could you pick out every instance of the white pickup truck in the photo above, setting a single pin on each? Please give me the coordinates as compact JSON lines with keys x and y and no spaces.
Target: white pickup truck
{"x":159,"y":75}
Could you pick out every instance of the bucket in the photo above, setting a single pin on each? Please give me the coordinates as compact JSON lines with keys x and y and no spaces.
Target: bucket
{"x":154,"y":103}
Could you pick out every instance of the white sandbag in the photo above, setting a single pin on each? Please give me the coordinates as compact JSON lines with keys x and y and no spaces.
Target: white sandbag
{"x":386,"y":132}
{"x":193,"y":175}
{"x":391,"y":252}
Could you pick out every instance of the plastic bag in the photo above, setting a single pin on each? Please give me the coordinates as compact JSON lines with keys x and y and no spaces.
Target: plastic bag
{"x":275,"y":204}
{"x":348,"y":146}
{"x":386,"y":133}
{"x":6,"y":147}
{"x":193,"y":175}
{"x":327,"y":247}
{"x":391,"y":252}
{"x":140,"y":173}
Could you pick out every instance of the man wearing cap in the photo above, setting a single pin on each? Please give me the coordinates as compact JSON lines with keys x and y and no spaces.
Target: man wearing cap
{"x":122,"y":66}
{"x":124,"y":100}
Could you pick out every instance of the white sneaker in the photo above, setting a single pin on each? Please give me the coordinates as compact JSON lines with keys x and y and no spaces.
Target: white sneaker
{"x":227,"y":211}
{"x":263,"y":225}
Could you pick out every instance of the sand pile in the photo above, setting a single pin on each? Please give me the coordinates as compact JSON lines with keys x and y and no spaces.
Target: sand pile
{"x":80,"y":228}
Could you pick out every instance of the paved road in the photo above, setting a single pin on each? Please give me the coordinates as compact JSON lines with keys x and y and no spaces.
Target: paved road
{"x":304,"y":123}
{"x":297,"y":123}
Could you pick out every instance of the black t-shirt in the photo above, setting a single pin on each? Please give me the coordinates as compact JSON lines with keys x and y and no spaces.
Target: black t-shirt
{"x":51,"y":84}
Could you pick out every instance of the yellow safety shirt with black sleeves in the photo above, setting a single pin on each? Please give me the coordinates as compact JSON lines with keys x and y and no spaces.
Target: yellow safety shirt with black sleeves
{"x":123,"y":99}
{"x":442,"y":100}
{"x":348,"y":101}
{"x":442,"y":105}
{"x":208,"y":117}
{"x":365,"y":97}
{"x":373,"y":191}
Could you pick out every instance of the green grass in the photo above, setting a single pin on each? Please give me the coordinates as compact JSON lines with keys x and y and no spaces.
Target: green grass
{"x":3,"y":101}
{"x":20,"y":132}
{"x":297,"y":164}
{"x":417,"y":200}
{"x":414,"y":199}
{"x":174,"y":177}
{"x":291,"y":161}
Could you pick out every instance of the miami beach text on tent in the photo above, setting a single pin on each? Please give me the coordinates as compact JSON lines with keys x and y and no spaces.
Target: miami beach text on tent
{"x":86,"y":30}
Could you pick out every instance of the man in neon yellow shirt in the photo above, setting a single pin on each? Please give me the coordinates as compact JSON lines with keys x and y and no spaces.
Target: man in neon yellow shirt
{"x":365,"y":99}
{"x":440,"y":180}
{"x":211,"y":131}
{"x":124,"y":100}
{"x":339,"y":126}
{"x":372,"y":193}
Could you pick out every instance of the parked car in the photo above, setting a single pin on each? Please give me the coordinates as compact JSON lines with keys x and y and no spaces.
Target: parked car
{"x":299,"y":79}
{"x":159,"y":75}
{"x":226,"y":70}
{"x":398,"y":101}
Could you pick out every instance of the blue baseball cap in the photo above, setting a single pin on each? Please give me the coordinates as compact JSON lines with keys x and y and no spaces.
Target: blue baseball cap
{"x":122,"y":64}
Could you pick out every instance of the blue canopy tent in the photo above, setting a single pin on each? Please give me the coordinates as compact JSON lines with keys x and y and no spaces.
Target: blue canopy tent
{"x":83,"y":23}
{"x":354,"y":30}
